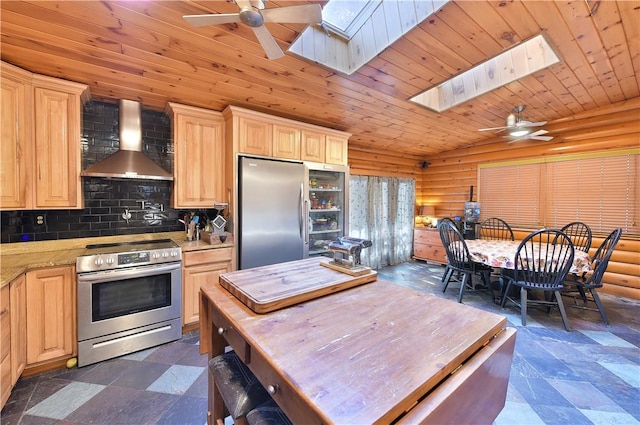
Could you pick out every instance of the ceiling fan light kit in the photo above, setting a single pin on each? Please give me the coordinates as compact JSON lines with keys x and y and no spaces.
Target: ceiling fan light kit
{"x":254,"y":15}
{"x":519,"y":133}
{"x":519,"y":128}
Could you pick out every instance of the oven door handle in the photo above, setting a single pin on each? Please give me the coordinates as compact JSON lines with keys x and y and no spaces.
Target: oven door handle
{"x":121,"y":274}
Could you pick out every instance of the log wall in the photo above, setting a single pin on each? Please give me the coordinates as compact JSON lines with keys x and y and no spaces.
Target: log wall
{"x":447,"y":180}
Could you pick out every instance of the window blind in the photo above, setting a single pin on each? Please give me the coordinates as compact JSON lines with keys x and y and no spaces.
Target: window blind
{"x":602,"y":192}
{"x":601,"y":189}
{"x":511,"y":191}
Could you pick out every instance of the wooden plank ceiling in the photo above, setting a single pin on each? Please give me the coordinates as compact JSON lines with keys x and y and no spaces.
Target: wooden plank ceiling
{"x":144,"y":50}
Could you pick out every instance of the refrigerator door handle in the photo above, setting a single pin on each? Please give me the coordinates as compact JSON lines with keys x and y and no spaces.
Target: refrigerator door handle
{"x":301,"y":213}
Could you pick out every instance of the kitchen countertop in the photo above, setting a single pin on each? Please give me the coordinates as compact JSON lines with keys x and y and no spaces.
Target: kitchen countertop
{"x":20,"y":257}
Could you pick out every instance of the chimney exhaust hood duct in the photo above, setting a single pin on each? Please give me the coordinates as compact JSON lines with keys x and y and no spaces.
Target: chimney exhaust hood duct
{"x":128,"y":162}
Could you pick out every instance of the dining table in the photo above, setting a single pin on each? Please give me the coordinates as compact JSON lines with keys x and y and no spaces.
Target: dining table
{"x":502,"y":253}
{"x":374,"y":352}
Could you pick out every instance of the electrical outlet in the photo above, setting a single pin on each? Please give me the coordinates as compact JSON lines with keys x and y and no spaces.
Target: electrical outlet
{"x":40,"y":220}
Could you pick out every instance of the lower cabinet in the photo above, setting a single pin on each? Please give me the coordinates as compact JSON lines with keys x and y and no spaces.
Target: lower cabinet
{"x":427,"y":245}
{"x":51,"y":318}
{"x":199,"y":267}
{"x":13,"y":316}
{"x":5,"y":348}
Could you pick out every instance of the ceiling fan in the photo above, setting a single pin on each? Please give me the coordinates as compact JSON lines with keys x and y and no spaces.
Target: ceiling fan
{"x":520,"y":129}
{"x":254,"y":14}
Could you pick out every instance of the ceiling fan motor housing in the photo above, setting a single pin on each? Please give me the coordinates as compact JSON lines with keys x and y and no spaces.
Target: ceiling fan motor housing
{"x":251,"y":17}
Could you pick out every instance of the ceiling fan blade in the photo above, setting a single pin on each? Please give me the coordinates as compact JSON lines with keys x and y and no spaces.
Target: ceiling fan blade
{"x":304,"y":14}
{"x":530,"y":124}
{"x":244,"y":4}
{"x":545,"y":138}
{"x":492,"y":128}
{"x":538,"y":133}
{"x":268,"y":43}
{"x":214,"y":19}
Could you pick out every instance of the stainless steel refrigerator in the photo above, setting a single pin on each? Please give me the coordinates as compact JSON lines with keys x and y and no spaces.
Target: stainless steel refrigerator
{"x":288,"y":210}
{"x":271,"y":212}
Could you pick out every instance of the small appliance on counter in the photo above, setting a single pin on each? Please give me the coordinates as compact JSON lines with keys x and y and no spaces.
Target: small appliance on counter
{"x":346,"y":255}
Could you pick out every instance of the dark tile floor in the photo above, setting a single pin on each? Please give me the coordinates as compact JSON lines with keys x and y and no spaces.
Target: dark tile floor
{"x":588,"y":376}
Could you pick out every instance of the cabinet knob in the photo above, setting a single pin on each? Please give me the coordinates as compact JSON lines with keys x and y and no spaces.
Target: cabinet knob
{"x":221,"y":330}
{"x":273,"y":389}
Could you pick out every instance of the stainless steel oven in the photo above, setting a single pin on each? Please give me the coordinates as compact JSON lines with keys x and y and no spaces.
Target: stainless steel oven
{"x":129,"y":298}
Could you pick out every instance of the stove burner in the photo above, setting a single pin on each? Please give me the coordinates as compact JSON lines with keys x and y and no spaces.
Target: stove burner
{"x":114,"y":244}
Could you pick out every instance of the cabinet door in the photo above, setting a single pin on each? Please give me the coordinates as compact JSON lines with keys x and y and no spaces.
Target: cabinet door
{"x":51,"y":322}
{"x":5,"y":347}
{"x":199,"y":165}
{"x":16,"y":143}
{"x":312,"y":146}
{"x":192,"y":279}
{"x":57,"y":147}
{"x":286,"y":142}
{"x":427,"y":245}
{"x":336,"y":150}
{"x":255,"y":137}
{"x":18,"y":327}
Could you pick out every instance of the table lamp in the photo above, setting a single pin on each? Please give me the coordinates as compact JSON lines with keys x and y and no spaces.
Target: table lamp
{"x":426,"y":212}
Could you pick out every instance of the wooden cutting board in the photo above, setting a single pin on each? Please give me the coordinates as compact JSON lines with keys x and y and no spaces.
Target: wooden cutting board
{"x":268,"y":288}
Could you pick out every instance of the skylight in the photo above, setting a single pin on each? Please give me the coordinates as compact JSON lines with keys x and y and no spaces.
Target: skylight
{"x":355,"y":31}
{"x":521,"y":60}
{"x":345,"y":17}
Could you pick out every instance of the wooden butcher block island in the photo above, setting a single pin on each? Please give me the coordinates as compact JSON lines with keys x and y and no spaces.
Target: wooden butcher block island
{"x":374,"y":353}
{"x":269,"y":288}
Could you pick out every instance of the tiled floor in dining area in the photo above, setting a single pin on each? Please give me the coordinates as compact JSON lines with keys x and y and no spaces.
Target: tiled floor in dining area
{"x":588,"y":376}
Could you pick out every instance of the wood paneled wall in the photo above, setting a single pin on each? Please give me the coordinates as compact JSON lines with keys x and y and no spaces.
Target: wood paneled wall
{"x":448,"y":178}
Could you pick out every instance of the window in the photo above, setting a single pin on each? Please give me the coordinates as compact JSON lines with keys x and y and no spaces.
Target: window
{"x":601,"y":189}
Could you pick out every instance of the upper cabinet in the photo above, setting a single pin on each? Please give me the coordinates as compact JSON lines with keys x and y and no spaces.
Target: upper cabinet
{"x":256,"y":133}
{"x":198,"y":138}
{"x":41,"y":130}
{"x":17,"y":143}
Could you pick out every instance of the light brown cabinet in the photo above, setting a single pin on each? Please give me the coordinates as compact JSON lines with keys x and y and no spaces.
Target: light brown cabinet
{"x":312,"y":146}
{"x":51,"y":318}
{"x":16,"y":148}
{"x":18,"y":290}
{"x":5,"y":348}
{"x":255,"y":133}
{"x":254,"y":137}
{"x":13,"y":332}
{"x":198,"y":137}
{"x":428,"y":246}
{"x":198,"y":268}
{"x":336,"y":150}
{"x":286,"y":142}
{"x":41,"y":152}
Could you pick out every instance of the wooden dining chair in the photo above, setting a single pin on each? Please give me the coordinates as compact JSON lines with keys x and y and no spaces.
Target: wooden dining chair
{"x":494,"y":228}
{"x":580,"y":235}
{"x":583,"y":290}
{"x":542,"y":262}
{"x":448,"y":271}
{"x":459,"y":258}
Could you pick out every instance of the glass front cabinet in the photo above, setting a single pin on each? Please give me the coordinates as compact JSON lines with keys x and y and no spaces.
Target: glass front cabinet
{"x":327,"y":196}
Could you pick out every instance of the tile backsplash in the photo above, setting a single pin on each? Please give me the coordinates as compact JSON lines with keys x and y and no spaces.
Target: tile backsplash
{"x":107,"y":199}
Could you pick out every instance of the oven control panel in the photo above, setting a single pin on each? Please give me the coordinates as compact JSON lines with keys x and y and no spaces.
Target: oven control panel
{"x":134,"y":258}
{"x":107,"y":261}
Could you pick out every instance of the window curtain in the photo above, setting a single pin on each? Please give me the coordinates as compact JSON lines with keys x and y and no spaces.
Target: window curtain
{"x":382,"y":211}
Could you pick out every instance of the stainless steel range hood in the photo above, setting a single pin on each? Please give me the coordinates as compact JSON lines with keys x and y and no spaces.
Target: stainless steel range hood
{"x":129,"y":162}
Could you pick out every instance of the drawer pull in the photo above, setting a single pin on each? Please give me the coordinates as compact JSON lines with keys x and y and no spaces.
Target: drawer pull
{"x":273,"y":389}
{"x":221,"y":330}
